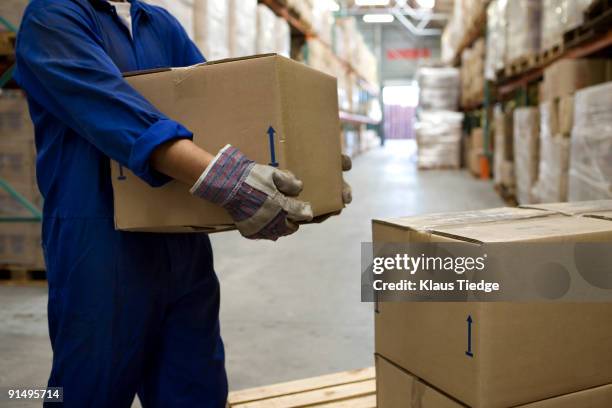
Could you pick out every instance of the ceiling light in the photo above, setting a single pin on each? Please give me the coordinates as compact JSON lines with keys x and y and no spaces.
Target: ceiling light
{"x":372,"y":2}
{"x":378,"y":18}
{"x":426,"y":4}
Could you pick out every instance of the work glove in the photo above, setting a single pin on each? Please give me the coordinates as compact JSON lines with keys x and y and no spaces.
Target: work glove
{"x":347,"y":192}
{"x":259,"y":198}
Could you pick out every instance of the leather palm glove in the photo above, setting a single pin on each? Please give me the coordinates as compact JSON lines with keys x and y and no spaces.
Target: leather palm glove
{"x":259,"y":198}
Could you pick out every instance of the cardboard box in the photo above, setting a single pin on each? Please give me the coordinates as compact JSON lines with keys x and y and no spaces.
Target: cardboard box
{"x":17,"y":161}
{"x":239,"y":101}
{"x":20,"y":245}
{"x":566,"y":76}
{"x":518,"y":354}
{"x":397,"y":388}
{"x":566,"y":115}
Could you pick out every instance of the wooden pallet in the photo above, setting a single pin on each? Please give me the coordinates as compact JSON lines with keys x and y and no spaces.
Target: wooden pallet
{"x":546,"y":56}
{"x":349,"y":389}
{"x":520,"y":65}
{"x":22,"y":275}
{"x":597,"y":20}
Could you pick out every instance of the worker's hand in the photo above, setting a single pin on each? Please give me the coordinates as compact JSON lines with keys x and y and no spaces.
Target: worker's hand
{"x":259,"y":198}
{"x":347,"y":192}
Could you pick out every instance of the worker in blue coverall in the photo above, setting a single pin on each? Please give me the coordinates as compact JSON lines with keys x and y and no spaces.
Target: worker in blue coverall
{"x":131,"y":313}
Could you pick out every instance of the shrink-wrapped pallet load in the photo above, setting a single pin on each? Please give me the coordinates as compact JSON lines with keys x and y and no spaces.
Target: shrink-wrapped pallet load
{"x":211,"y":28}
{"x":526,"y":152}
{"x":551,"y":186}
{"x":242,"y":25}
{"x":523,"y":32}
{"x":591,"y":144}
{"x":266,"y":30}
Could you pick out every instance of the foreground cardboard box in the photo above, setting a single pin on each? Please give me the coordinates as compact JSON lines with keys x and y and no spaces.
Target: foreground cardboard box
{"x":397,"y":388}
{"x":239,"y":101}
{"x":523,"y":352}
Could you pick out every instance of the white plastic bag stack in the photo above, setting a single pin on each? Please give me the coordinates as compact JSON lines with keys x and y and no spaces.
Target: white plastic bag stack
{"x":439,"y":88}
{"x":591,"y":146}
{"x":242,"y":26}
{"x":266,"y":26}
{"x":211,"y":28}
{"x":438,"y":135}
{"x":182,"y":10}
{"x":282,"y":37}
{"x":526,"y":152}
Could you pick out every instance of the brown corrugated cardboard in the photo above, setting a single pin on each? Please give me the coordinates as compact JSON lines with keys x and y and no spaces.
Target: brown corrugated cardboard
{"x":566,"y":76}
{"x":397,"y":388}
{"x":237,"y":101}
{"x":17,"y":161}
{"x":517,"y":357}
{"x":20,"y":245}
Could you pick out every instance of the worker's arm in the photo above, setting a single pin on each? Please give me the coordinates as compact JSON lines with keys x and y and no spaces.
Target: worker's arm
{"x":181,"y":159}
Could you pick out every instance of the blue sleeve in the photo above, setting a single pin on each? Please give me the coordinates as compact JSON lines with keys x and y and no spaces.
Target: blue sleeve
{"x":62,"y":65}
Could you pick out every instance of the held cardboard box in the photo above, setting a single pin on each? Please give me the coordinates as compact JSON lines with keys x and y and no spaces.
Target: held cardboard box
{"x":397,"y":388}
{"x":271,"y":108}
{"x":522,"y":352}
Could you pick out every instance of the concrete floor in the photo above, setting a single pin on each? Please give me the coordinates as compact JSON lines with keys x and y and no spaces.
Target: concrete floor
{"x":290,"y":309}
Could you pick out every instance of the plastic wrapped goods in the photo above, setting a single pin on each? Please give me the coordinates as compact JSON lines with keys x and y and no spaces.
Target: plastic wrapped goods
{"x":503,"y":144}
{"x":523,"y":33}
{"x":282,"y":37}
{"x":439,"y":88}
{"x":242,"y":25}
{"x":559,"y":16}
{"x":211,"y":28}
{"x":266,"y":26}
{"x":496,"y":38}
{"x":591,"y":144}
{"x":438,"y":135}
{"x":551,"y":186}
{"x":526,"y":152}
{"x":182,"y":10}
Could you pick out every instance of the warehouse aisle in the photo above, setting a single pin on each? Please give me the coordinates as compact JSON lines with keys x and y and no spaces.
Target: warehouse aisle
{"x":290,"y":309}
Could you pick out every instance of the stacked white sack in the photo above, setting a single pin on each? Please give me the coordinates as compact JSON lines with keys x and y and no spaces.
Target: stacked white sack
{"x":242,"y":25}
{"x":211,"y":28}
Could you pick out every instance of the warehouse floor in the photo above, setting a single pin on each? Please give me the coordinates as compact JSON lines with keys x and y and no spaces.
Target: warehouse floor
{"x":290,"y":309}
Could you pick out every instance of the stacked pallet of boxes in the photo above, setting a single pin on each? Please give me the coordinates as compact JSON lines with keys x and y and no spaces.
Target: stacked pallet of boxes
{"x":471,"y":354}
{"x":523,"y":29}
{"x":19,"y":242}
{"x":590,"y":175}
{"x":183,"y":11}
{"x":561,"y":80}
{"x":472,"y":74}
{"x":559,"y":16}
{"x":464,"y":21}
{"x":438,"y":131}
{"x":242,"y":27}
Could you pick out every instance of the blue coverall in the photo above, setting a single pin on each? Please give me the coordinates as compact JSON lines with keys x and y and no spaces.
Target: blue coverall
{"x":128,"y":312}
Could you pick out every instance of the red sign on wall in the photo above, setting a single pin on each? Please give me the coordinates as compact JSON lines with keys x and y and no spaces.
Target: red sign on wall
{"x":408,"y":53}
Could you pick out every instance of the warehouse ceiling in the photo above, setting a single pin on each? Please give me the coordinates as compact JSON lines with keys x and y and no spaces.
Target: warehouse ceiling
{"x":418,"y":17}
